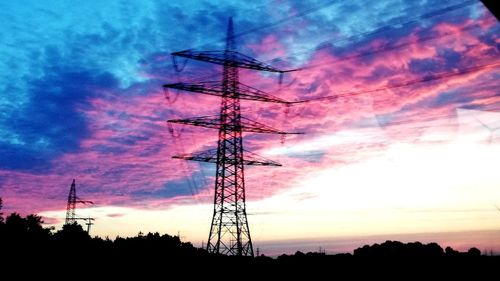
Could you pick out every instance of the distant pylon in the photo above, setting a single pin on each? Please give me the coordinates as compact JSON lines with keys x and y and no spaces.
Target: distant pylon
{"x":89,"y":223}
{"x":229,"y":231}
{"x":71,"y":207}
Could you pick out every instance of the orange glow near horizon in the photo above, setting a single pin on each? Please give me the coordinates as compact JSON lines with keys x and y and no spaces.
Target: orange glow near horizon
{"x":405,"y":191}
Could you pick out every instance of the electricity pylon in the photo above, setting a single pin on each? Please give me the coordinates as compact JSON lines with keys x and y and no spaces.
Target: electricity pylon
{"x":71,"y":207}
{"x":229,"y":231}
{"x":89,"y":223}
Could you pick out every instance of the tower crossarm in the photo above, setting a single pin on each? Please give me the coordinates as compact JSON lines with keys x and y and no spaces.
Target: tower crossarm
{"x":85,"y":219}
{"x":229,"y":58}
{"x":78,"y":200}
{"x":210,"y":156}
{"x":229,"y":231}
{"x":216,"y":88}
{"x":246,"y":125}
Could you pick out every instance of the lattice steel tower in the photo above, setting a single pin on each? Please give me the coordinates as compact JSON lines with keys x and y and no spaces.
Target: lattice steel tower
{"x":229,"y":232}
{"x":71,"y":207}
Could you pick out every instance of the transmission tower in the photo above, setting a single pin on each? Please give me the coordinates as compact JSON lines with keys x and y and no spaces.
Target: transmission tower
{"x":71,"y":207}
{"x":229,"y":231}
{"x":89,"y":223}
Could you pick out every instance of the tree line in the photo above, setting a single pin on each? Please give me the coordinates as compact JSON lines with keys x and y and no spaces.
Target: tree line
{"x":26,"y":240}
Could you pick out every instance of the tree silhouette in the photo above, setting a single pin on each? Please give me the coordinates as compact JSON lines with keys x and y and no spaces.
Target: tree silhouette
{"x":450,"y":252}
{"x":72,"y":233}
{"x":24,"y":240}
{"x":1,"y":214}
{"x":397,"y":249}
{"x":474,"y":252}
{"x":2,"y":225}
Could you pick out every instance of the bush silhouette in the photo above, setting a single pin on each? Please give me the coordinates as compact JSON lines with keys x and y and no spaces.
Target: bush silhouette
{"x":24,"y":240}
{"x":397,"y":249}
{"x":474,"y":252}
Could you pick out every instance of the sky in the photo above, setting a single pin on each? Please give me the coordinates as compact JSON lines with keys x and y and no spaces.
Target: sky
{"x":401,"y":132}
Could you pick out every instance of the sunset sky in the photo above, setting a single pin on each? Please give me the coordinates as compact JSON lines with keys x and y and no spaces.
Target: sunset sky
{"x":402,"y":130}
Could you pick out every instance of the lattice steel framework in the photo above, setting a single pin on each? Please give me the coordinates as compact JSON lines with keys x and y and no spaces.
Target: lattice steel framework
{"x":71,"y":206}
{"x":229,"y":231}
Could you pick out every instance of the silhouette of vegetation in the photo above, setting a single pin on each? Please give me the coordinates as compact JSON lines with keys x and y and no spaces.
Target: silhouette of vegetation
{"x":397,"y":249}
{"x":1,"y":217}
{"x":25,"y":241}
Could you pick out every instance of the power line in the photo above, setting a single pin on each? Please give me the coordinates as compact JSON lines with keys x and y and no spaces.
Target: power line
{"x":385,"y":48}
{"x":434,"y":118}
{"x":278,"y":22}
{"x":429,"y":78}
{"x":413,"y":20}
{"x":356,"y":36}
{"x":383,"y":28}
{"x":389,"y":47}
{"x":185,"y":169}
{"x":434,"y":77}
{"x":352,"y":37}
{"x":229,"y":221}
{"x":438,"y":76}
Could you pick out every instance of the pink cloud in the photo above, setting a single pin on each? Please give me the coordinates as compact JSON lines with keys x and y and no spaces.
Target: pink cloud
{"x":127,"y":158}
{"x":115,"y":215}
{"x":270,"y":46}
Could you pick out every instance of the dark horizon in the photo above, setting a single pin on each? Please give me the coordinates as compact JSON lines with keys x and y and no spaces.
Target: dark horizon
{"x":398,"y":102}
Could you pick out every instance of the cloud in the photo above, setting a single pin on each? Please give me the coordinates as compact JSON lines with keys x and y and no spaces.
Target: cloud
{"x":87,"y":103}
{"x":115,"y":215}
{"x":50,"y":124}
